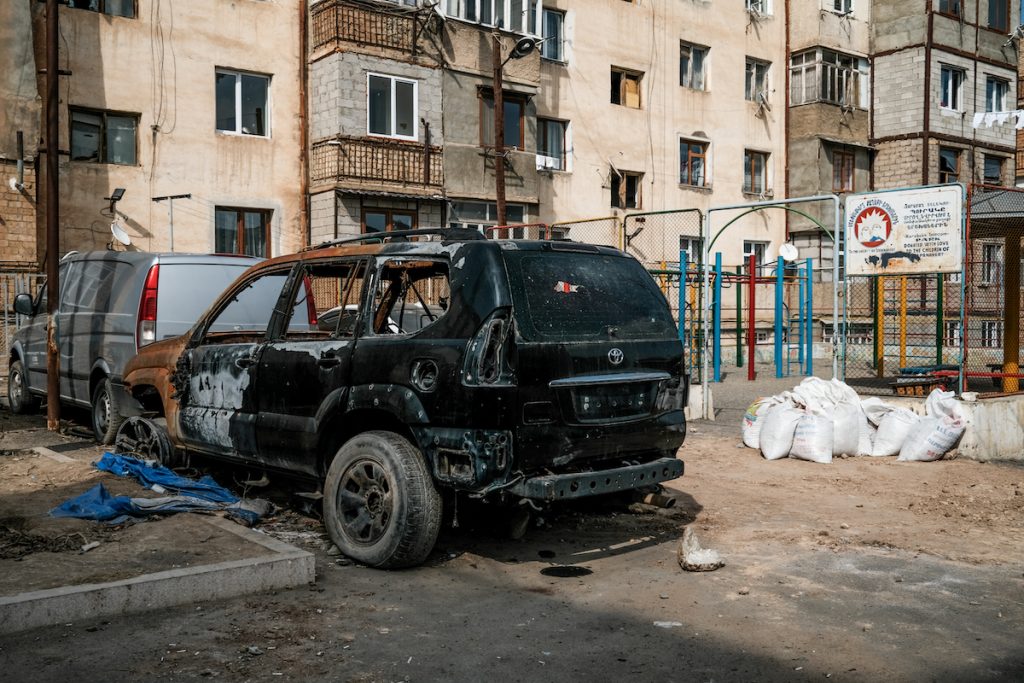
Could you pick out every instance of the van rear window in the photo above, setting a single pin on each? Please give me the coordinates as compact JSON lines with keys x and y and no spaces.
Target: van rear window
{"x":575,"y":296}
{"x":186,"y":290}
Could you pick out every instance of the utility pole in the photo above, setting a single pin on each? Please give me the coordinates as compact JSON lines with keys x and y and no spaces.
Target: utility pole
{"x":170,"y":210}
{"x":499,"y":130}
{"x":52,"y":218}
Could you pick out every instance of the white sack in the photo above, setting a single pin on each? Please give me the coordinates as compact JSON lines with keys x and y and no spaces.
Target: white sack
{"x":942,"y":404}
{"x":776,"y":436}
{"x":754,"y":418}
{"x":812,"y":439}
{"x":846,"y":427}
{"x":932,"y":438}
{"x":893,"y":431}
{"x":866,"y":435}
{"x":875,"y":409}
{"x":815,"y":394}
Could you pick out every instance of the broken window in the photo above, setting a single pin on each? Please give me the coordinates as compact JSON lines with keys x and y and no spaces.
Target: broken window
{"x":386,"y":220}
{"x":242,"y":103}
{"x":756,"y":89}
{"x":242,"y":231}
{"x":114,"y":8}
{"x":103,"y":137}
{"x":821,"y":75}
{"x":692,"y":162}
{"x":409,"y":296}
{"x":626,"y":189}
{"x":250,"y":309}
{"x":626,"y":87}
{"x":949,"y":7}
{"x":949,"y":165}
{"x":842,"y":6}
{"x":515,"y":109}
{"x":692,"y":65}
{"x":755,"y":172}
{"x":327,"y":300}
{"x":391,"y":107}
{"x":843,"y":165}
{"x":763,"y":7}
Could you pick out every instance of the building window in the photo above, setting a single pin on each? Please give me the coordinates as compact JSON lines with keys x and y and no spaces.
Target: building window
{"x":991,"y":264}
{"x":949,"y":165}
{"x":242,"y":103}
{"x":821,"y":75}
{"x":693,"y":156}
{"x":481,"y":215}
{"x":694,"y":248}
{"x":115,"y":8}
{"x":692,"y":66}
{"x":843,"y":165}
{"x":519,"y":16}
{"x":995,"y":93}
{"x":756,"y":80}
{"x":842,"y":6}
{"x":391,"y":106}
{"x":103,"y":137}
{"x":999,"y":15}
{"x":951,"y":7}
{"x":759,"y":6}
{"x":626,"y":87}
{"x":515,"y":108}
{"x":992,"y":334}
{"x":951,"y":82}
{"x":626,"y":189}
{"x":993,"y":170}
{"x":552,"y":47}
{"x":551,"y":144}
{"x":755,"y":172}
{"x":386,"y":220}
{"x":242,"y":231}
{"x":759,"y":250}
{"x":951,"y":336}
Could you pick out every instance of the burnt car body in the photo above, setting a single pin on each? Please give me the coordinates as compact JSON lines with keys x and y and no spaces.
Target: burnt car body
{"x":530,"y":369}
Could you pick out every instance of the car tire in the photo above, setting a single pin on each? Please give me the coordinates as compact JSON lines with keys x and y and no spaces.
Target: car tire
{"x":19,"y":398}
{"x":147,"y":438}
{"x":105,"y":413}
{"x":380,"y":504}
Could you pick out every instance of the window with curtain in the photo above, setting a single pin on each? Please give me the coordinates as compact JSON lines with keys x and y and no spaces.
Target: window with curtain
{"x":242,"y":231}
{"x":103,"y":137}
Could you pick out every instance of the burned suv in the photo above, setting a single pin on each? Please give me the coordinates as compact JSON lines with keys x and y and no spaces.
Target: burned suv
{"x":435,"y":359}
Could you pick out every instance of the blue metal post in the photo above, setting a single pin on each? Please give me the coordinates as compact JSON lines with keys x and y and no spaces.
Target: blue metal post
{"x":809,"y":336}
{"x":780,"y":276}
{"x":717,"y":315}
{"x":800,"y":320}
{"x":682,"y":297}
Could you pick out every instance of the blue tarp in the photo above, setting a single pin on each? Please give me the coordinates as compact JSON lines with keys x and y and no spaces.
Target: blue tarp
{"x":150,"y":473}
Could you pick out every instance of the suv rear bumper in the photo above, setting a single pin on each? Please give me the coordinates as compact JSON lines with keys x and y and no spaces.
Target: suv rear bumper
{"x":582,"y":484}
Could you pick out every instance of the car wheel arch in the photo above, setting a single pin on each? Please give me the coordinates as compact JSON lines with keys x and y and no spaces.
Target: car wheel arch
{"x":347,"y":425}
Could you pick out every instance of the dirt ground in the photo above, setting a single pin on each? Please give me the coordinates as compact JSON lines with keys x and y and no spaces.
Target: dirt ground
{"x":865,"y":569}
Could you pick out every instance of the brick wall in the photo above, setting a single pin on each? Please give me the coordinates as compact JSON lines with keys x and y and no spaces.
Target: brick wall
{"x":18,"y":231}
{"x":898,"y":89}
{"x":898,"y":164}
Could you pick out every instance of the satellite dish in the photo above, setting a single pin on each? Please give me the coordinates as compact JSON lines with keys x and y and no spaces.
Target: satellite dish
{"x":524,"y":46}
{"x":788,"y":252}
{"x":119,"y":234}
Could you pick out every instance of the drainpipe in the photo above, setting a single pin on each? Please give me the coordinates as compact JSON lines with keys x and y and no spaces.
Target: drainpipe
{"x":305,"y":222}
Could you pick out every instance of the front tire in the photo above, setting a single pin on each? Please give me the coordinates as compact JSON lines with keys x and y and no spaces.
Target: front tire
{"x":19,"y":398}
{"x":148,"y":439}
{"x":380,"y":504}
{"x":106,"y":418}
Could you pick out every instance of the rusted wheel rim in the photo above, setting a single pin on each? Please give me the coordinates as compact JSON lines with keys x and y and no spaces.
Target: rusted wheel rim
{"x":137,"y":436}
{"x":365,"y":501}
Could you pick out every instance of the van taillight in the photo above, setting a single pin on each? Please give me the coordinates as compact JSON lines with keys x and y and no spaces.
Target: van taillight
{"x":146,"y":333}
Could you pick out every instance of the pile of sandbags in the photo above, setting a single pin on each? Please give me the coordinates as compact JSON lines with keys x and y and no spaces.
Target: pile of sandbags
{"x":820,"y":419}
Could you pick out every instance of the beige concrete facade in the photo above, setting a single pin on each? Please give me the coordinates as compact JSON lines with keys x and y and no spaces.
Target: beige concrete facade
{"x":606,"y":138}
{"x":159,"y":68}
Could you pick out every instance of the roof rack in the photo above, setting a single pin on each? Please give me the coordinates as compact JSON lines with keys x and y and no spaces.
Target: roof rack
{"x":454,"y":234}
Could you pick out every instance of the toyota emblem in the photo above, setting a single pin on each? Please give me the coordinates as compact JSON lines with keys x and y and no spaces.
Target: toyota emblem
{"x":615,"y":356}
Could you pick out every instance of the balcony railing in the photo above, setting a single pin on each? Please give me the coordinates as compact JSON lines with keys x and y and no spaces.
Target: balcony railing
{"x":337,"y":21}
{"x":375,"y":160}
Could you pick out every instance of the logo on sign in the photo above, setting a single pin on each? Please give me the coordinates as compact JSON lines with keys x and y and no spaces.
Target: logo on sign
{"x":615,"y":356}
{"x":873,"y":225}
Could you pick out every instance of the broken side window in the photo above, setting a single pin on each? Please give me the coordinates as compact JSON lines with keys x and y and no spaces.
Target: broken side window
{"x":410,"y":295}
{"x":327,"y":300}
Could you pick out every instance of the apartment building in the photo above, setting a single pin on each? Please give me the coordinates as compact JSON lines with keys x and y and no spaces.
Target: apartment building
{"x":165,"y":99}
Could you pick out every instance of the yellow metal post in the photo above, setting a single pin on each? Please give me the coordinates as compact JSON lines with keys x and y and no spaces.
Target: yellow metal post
{"x":903,"y":322}
{"x":1011,"y":314}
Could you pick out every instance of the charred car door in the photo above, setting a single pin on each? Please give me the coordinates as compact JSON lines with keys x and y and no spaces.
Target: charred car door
{"x":218,"y":407}
{"x":304,"y":371}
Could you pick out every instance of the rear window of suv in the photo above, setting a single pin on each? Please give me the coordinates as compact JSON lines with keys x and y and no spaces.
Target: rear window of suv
{"x":578,"y":296}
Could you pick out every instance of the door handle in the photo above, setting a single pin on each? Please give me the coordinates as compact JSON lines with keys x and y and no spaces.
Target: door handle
{"x":244,"y":363}
{"x":328,"y":361}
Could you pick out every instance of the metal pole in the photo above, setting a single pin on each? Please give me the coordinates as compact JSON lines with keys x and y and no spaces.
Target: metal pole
{"x":717,"y":312}
{"x":52,"y":217}
{"x":837,"y":287}
{"x":1011,"y":315}
{"x":170,"y":212}
{"x":880,"y":326}
{"x":751,"y":316}
{"x":780,"y":273}
{"x":499,"y":130}
{"x":939,"y":322}
{"x":682,"y":299}
{"x":739,"y":320}
{"x":809,"y":322}
{"x":903,"y":321}
{"x":705,"y":386}
{"x":801,"y":313}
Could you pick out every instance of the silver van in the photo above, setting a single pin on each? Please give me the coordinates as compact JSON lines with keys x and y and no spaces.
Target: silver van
{"x":111,"y":305}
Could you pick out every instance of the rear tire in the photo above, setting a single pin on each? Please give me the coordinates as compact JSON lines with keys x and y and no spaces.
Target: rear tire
{"x":106,"y":417}
{"x":19,"y":398}
{"x":380,"y":504}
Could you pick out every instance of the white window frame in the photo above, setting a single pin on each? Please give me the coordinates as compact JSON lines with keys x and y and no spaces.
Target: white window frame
{"x":705,"y":171}
{"x":951,"y":334}
{"x":991,"y":263}
{"x":849,"y":75}
{"x":758,"y":248}
{"x":841,"y":7}
{"x":996,"y":100}
{"x":558,"y":40}
{"x":991,"y":334}
{"x":471,"y":10}
{"x":549,"y":163}
{"x":238,"y":102}
{"x":762,"y":7}
{"x":953,"y":89}
{"x":750,"y":79}
{"x":687,"y":80}
{"x":394,"y":107}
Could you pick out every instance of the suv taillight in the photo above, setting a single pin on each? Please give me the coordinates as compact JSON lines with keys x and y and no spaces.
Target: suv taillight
{"x":146,"y":333}
{"x":487,"y":357}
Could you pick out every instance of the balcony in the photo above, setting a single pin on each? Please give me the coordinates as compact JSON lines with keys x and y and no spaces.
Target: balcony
{"x":335,"y":22}
{"x":380,"y":164}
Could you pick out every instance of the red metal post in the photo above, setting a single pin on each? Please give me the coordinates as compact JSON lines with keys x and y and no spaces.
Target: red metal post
{"x":751,"y":308}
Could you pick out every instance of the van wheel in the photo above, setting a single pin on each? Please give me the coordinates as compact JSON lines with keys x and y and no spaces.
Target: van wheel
{"x":148,"y":439}
{"x":18,"y":396}
{"x":380,"y":504}
{"x":106,"y":419}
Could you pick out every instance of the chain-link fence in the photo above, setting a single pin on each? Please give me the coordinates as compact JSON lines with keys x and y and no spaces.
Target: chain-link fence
{"x":12,"y":284}
{"x":606,"y":230}
{"x":656,"y":238}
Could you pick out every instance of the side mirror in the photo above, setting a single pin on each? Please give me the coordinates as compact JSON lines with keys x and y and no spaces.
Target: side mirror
{"x":23,"y":305}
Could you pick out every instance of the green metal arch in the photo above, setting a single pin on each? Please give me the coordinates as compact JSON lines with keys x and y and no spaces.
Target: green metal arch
{"x":771,"y":206}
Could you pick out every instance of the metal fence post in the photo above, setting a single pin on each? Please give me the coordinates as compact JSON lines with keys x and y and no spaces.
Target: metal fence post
{"x":717,"y":308}
{"x":809,"y":322}
{"x":780,"y":276}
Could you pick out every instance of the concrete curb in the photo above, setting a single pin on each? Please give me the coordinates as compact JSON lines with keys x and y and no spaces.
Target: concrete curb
{"x":284,"y":567}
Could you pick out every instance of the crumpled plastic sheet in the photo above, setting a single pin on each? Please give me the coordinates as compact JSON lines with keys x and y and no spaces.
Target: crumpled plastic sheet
{"x":150,"y":472}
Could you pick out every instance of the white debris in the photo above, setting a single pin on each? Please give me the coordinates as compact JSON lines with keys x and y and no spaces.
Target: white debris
{"x":694,"y":558}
